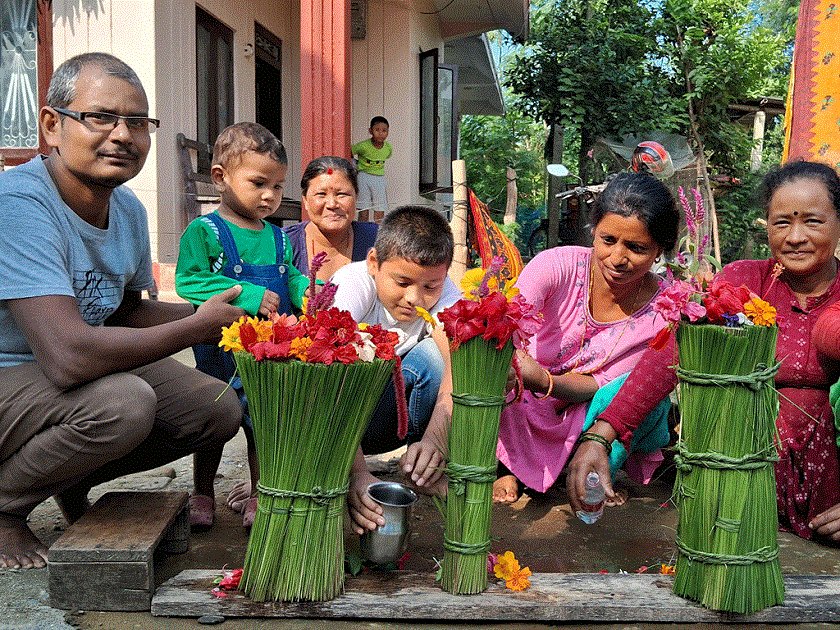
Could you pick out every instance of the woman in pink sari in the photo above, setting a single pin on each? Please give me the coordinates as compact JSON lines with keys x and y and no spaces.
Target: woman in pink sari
{"x":598,"y":320}
{"x":802,"y":202}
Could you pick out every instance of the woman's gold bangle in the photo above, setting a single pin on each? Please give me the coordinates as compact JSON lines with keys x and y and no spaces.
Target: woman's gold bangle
{"x":550,"y":385}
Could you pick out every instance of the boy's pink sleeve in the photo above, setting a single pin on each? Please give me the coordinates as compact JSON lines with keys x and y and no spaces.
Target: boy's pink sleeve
{"x":826,"y":332}
{"x":653,"y":378}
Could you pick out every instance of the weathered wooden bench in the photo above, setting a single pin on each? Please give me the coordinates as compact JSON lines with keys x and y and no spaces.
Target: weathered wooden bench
{"x":552,"y":597}
{"x":200,"y":195}
{"x":105,"y":560}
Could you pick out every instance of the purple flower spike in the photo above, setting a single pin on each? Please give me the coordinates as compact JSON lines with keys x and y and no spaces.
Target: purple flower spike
{"x":324,"y":299}
{"x":701,"y":211}
{"x":314,"y":265}
{"x":493,"y":270}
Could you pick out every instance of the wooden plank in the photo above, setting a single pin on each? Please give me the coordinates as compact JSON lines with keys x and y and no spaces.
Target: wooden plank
{"x":551,"y":597}
{"x":101,"y":585}
{"x":120,"y":527}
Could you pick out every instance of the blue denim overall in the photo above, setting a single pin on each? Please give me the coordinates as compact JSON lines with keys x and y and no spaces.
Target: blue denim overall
{"x":210,"y":358}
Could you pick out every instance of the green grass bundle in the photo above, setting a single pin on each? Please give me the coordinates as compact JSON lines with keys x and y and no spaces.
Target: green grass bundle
{"x":725,"y":488}
{"x":479,"y":373}
{"x":309,"y":419}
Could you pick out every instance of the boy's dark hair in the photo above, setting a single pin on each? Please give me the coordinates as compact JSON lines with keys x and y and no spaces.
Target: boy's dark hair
{"x":379,"y":119}
{"x":417,"y":233}
{"x":247,"y":136}
{"x":325,"y":164}
{"x":801,"y":169}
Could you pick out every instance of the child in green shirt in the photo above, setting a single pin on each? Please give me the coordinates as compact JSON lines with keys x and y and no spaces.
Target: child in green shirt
{"x":235,"y":246}
{"x":372,"y":155}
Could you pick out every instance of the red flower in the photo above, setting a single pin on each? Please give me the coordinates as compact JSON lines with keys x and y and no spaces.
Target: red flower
{"x":661,"y":339}
{"x":248,"y":336}
{"x":462,"y":321}
{"x":269,"y":350}
{"x":385,"y":341}
{"x":729,"y":298}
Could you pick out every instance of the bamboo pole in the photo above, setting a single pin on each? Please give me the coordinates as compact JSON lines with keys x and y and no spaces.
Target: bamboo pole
{"x":458,"y":223}
{"x":512,"y":197}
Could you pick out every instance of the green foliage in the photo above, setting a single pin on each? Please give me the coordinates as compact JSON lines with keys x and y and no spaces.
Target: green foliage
{"x":588,"y":67}
{"x":491,"y":144}
{"x":718,"y":54}
{"x":610,"y":67}
{"x":741,"y":233}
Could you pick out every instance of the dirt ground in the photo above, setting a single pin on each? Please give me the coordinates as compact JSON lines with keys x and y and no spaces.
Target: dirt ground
{"x":540,"y":529}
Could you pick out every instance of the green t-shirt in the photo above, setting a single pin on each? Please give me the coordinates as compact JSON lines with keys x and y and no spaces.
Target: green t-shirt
{"x":198,"y":274}
{"x":371,"y":159}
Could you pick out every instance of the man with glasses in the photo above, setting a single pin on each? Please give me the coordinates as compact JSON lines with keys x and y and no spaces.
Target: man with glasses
{"x":88,"y":390}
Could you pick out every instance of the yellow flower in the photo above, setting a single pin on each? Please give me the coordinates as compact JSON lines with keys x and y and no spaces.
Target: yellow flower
{"x":506,"y":566}
{"x":510,"y":290}
{"x":760,"y":312}
{"x":519,"y":581}
{"x":667,"y":569}
{"x":263,"y":327}
{"x":230,"y":336}
{"x":422,"y":312}
{"x":471,"y":281}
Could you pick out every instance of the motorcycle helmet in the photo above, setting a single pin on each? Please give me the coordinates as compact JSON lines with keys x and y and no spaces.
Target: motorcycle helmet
{"x":651,"y":157}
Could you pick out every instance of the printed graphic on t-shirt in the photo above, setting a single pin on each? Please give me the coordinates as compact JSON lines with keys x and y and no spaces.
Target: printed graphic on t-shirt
{"x":97,"y":294}
{"x":375,"y":163}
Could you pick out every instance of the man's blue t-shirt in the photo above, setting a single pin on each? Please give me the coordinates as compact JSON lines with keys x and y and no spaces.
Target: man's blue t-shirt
{"x":47,"y":249}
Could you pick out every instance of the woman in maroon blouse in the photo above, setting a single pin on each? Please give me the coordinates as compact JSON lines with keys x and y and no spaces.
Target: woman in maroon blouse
{"x":802,"y":203}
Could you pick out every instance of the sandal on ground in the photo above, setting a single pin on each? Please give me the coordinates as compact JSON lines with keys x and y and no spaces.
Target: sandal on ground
{"x":202,"y":512}
{"x":250,"y":513}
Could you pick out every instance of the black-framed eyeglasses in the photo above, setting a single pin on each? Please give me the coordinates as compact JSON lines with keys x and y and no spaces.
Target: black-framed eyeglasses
{"x":104,"y":121}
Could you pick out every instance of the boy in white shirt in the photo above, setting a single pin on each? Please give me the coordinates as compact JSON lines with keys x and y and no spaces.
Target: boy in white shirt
{"x":406,"y":268}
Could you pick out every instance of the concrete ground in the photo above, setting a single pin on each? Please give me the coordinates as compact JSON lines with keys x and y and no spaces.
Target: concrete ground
{"x":540,"y":530}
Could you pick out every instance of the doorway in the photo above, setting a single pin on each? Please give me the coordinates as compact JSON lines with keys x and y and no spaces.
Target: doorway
{"x":268,"y":80}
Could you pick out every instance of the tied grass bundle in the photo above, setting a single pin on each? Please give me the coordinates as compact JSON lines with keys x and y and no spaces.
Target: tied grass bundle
{"x":725,"y":488}
{"x":479,"y":370}
{"x":309,"y":419}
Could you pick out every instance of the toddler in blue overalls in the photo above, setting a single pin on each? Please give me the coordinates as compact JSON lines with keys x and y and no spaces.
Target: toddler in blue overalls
{"x":234,"y":245}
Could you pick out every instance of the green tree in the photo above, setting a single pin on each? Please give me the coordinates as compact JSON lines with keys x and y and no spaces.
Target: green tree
{"x":716,"y":54}
{"x":591,"y":68}
{"x":491,"y":144}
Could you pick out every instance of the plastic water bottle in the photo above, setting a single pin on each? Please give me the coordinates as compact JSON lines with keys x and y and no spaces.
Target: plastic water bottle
{"x":593,"y":504}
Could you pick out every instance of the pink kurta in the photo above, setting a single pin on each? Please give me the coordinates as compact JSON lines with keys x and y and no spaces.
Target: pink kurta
{"x":807,"y":479}
{"x":536,"y":435}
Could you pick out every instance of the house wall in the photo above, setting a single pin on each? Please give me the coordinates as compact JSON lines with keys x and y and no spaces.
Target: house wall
{"x":116,"y":27}
{"x":157,"y":39}
{"x":386,"y":82}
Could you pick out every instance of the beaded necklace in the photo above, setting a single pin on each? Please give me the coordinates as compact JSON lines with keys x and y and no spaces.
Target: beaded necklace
{"x":620,"y":335}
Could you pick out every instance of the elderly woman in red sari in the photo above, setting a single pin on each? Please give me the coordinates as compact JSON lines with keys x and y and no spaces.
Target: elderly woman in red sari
{"x":802,"y":203}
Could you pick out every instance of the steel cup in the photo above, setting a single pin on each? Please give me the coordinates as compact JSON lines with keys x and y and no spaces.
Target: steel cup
{"x":388,"y":542}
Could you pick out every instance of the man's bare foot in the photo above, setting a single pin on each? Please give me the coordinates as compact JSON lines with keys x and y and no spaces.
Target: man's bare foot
{"x":19,"y":547}
{"x":506,"y":489}
{"x":239,"y":495}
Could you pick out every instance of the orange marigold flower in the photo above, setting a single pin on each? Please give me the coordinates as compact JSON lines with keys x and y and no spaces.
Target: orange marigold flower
{"x":667,"y":569}
{"x":506,"y":566}
{"x":300,"y":347}
{"x":760,"y":312}
{"x":519,"y":581}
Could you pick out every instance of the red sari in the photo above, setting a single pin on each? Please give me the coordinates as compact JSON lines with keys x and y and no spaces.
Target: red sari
{"x":807,"y":475}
